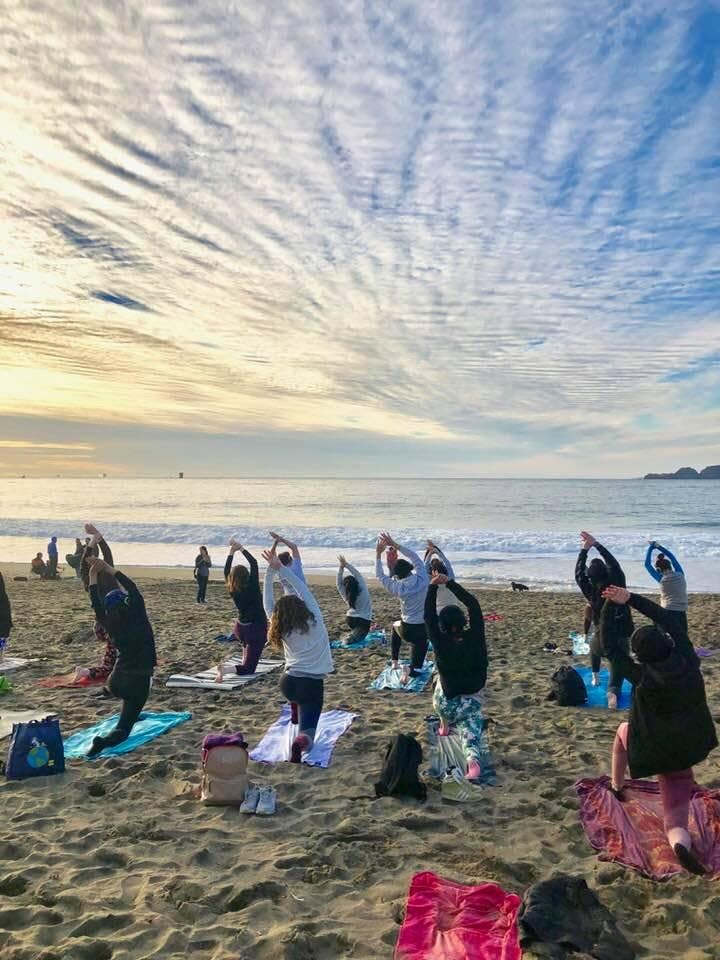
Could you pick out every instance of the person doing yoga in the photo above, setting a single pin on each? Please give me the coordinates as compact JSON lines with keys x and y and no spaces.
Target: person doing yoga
{"x":122,"y":612}
{"x":105,"y":584}
{"x":353,"y":590}
{"x":297,"y":626}
{"x":666,"y":570}
{"x":409,"y":582}
{"x":250,"y":629}
{"x":288,"y":558}
{"x":670,"y":728}
{"x":437,"y":562}
{"x":611,"y":636}
{"x":461,"y":662}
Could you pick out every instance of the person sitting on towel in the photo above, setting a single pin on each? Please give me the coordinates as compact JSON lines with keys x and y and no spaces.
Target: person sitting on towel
{"x":353,"y":590}
{"x":461,"y":662}
{"x":670,"y":575}
{"x":408,"y":581}
{"x":105,"y":584}
{"x":39,"y":567}
{"x":670,"y":728}
{"x":250,"y":629}
{"x":122,"y":612}
{"x":288,"y":558}
{"x":297,"y":627}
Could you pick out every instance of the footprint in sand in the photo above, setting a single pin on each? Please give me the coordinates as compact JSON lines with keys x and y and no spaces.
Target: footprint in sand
{"x":265,"y":890}
{"x":13,"y":885}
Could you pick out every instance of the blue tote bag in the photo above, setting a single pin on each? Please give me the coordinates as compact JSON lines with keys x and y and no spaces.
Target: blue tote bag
{"x":36,"y":750}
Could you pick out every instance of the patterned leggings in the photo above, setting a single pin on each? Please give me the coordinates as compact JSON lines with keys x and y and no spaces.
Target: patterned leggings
{"x":465,"y":714}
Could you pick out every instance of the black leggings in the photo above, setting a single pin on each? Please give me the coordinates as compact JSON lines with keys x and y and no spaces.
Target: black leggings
{"x":416,"y":636}
{"x":132,"y":687}
{"x":359,"y":629}
{"x":307,"y":694}
{"x":617,"y":674}
{"x":202,"y":587}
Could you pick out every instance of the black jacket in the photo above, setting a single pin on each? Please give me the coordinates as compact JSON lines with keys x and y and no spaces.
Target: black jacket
{"x":135,"y":641}
{"x":5,"y":614}
{"x":461,"y":661}
{"x":249,"y":602}
{"x":612,"y":632}
{"x":671,"y":728}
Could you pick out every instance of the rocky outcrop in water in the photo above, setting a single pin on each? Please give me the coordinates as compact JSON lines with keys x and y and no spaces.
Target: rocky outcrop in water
{"x":687,"y":473}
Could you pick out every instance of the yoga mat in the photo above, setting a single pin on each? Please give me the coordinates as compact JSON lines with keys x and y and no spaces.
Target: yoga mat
{"x":67,"y":681}
{"x":445,"y":920}
{"x":597,"y":696}
{"x":15,"y":663}
{"x":275,"y":745}
{"x":389,"y":679}
{"x":704,"y":652}
{"x":375,"y":636}
{"x":206,"y":679}
{"x":9,"y":717}
{"x":149,"y":726}
{"x":631,"y":832}
{"x":580,"y":647}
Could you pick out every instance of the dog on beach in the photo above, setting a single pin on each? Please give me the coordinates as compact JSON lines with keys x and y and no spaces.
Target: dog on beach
{"x":518,"y":586}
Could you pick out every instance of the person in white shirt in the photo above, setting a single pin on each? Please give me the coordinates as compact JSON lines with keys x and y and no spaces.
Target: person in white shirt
{"x":437,"y":562}
{"x":297,"y":627}
{"x":353,"y":590}
{"x":288,"y":558}
{"x":409,"y":582}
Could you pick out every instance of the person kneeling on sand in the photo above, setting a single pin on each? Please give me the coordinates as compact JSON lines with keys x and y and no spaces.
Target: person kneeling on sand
{"x":461,"y":662}
{"x":670,"y":728}
{"x":122,"y":613}
{"x":353,"y":590}
{"x":409,"y":581}
{"x":250,"y":629}
{"x":296,"y":625}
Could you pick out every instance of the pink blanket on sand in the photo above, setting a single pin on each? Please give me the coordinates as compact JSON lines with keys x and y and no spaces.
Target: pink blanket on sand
{"x":631,"y":832}
{"x":445,"y":920}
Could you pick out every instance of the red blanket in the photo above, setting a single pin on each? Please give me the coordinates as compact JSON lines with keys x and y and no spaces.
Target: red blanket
{"x":632,"y":832}
{"x":445,"y":920}
{"x":67,"y":680}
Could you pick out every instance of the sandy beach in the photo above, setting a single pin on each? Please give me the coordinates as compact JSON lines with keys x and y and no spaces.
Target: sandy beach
{"x":116,"y":859}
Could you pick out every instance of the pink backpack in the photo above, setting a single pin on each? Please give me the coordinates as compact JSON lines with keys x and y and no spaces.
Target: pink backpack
{"x":224,"y":770}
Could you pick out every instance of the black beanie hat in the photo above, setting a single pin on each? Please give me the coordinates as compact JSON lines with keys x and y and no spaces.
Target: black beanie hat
{"x":651,"y":644}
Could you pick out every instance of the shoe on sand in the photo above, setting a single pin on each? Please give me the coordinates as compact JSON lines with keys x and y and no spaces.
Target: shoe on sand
{"x":250,"y":802}
{"x":455,"y":787}
{"x":687,"y":859}
{"x":267,"y":802}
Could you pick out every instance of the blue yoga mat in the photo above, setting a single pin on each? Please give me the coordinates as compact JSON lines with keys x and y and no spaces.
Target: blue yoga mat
{"x":597,"y":696}
{"x":149,"y":726}
{"x":374,"y":637}
{"x":389,"y":679}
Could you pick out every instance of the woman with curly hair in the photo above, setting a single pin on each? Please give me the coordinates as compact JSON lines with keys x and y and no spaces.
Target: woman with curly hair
{"x":297,"y":628}
{"x":243,"y":585}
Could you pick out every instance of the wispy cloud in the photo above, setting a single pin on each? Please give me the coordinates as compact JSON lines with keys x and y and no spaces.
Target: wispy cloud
{"x":489,"y":226}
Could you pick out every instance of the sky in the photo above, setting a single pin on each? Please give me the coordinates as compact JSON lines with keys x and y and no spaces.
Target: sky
{"x":359,"y":238}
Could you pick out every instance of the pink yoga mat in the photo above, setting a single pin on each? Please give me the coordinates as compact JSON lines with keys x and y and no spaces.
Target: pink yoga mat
{"x":445,"y":920}
{"x":632,"y":832}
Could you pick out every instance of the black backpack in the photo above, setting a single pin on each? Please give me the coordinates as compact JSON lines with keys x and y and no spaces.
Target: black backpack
{"x":568,"y":688}
{"x":399,"y":775}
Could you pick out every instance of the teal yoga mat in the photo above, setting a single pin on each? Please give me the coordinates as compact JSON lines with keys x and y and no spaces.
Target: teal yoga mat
{"x":149,"y":726}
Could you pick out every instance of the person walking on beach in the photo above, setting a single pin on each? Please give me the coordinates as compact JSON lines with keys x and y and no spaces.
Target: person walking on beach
{"x":203,"y":563}
{"x":122,"y":612}
{"x":670,"y":728}
{"x":437,"y":562}
{"x":666,"y":571}
{"x":250,"y":629}
{"x":52,"y":552}
{"x":461,"y":662}
{"x":297,"y":626}
{"x":409,"y":581}
{"x":353,"y":590}
{"x":105,"y":584}
{"x":288,"y":558}
{"x":612,"y":633}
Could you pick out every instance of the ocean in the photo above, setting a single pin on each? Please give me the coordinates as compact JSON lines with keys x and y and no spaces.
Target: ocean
{"x":493,"y":531}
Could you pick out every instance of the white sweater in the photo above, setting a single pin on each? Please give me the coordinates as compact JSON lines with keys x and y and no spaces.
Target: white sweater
{"x":411,"y":590}
{"x":363,"y":605}
{"x":306,"y":654}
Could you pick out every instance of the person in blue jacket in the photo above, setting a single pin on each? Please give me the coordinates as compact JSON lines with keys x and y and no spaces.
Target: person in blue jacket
{"x":666,"y":570}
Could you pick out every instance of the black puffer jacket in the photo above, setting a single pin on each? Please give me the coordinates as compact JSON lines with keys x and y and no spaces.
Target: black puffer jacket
{"x":671,"y":728}
{"x":612,"y":631}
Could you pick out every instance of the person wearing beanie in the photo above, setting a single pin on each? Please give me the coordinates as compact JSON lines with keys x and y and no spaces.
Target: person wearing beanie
{"x":670,"y":728}
{"x":611,"y":637}
{"x":666,"y":571}
{"x":461,"y":662}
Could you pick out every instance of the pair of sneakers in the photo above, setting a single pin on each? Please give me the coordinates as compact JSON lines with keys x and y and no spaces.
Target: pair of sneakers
{"x":259,"y":800}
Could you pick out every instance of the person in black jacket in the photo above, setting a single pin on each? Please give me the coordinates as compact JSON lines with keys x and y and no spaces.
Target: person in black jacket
{"x":670,"y":728}
{"x":122,"y":613}
{"x":251,"y":626}
{"x":461,"y":661}
{"x":611,"y":638}
{"x":5,"y":612}
{"x":203,"y":563}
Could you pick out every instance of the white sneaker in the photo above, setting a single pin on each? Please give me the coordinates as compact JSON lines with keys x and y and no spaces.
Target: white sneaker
{"x":595,"y":682}
{"x":267,"y":804}
{"x":249,"y":804}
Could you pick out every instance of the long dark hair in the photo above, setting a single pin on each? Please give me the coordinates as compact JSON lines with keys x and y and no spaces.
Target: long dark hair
{"x":290,"y":614}
{"x":352,"y":590}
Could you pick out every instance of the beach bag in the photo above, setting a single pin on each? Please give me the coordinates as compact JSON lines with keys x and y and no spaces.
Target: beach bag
{"x":399,"y":775}
{"x":224,"y":770}
{"x":568,"y":688}
{"x":36,"y":750}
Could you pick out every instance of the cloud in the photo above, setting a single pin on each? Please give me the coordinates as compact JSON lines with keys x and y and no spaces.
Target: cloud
{"x":493,"y":226}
